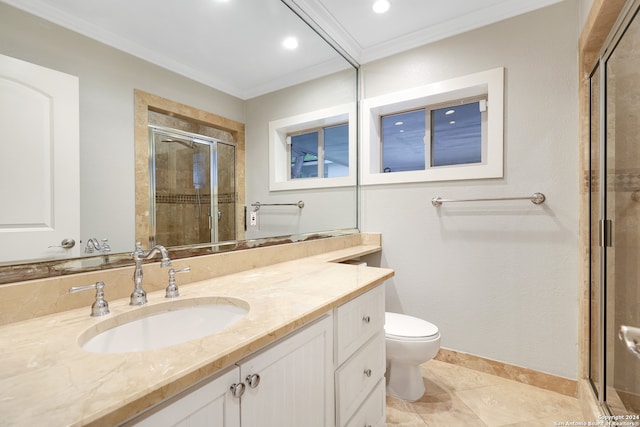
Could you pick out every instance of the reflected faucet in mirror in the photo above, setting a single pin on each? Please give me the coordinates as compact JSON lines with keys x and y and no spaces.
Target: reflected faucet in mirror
{"x":94,"y":245}
{"x":139,"y":296}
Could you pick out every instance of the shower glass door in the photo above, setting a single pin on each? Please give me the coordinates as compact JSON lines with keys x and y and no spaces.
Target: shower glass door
{"x":596,"y":251}
{"x":615,"y":152}
{"x":623,"y":209}
{"x":192,"y":185}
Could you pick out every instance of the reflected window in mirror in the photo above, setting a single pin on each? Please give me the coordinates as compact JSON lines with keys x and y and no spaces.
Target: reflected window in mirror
{"x":320,"y":153}
{"x":313,"y":150}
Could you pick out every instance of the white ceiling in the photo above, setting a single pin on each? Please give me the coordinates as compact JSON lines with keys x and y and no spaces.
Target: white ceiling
{"x":367,"y":36}
{"x":235,"y":45}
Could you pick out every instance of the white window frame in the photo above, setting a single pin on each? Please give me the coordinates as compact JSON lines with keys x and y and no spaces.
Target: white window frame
{"x":280,"y":155}
{"x":320,"y":144}
{"x":489,"y":83}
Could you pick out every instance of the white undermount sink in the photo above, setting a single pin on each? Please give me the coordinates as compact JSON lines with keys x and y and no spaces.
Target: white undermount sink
{"x":163,"y":325}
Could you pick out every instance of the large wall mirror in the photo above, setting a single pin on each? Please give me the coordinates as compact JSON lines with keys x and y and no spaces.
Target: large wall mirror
{"x":215,"y":59}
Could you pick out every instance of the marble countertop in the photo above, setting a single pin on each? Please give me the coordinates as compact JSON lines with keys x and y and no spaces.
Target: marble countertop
{"x":46,"y":378}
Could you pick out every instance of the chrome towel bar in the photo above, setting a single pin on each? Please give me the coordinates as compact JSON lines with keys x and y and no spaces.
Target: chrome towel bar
{"x":535,"y":198}
{"x":257,"y":205}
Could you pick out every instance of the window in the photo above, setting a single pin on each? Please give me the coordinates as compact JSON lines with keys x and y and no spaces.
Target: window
{"x":444,"y":131}
{"x":320,"y":152}
{"x":456,"y":134}
{"x":313,"y":150}
{"x":441,"y":136}
{"x":403,"y":141}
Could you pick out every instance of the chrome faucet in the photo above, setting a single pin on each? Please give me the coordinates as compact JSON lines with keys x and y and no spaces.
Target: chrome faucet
{"x":94,"y":245}
{"x":139,"y":296}
{"x":103,"y":248}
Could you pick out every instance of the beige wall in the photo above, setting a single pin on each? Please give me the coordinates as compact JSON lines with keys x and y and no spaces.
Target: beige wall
{"x":498,"y":279}
{"x":584,"y":8}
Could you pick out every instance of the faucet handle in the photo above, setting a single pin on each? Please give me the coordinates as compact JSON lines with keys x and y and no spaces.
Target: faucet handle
{"x":104,"y":246}
{"x":172,"y":290}
{"x":137,"y":252}
{"x":100,"y":307}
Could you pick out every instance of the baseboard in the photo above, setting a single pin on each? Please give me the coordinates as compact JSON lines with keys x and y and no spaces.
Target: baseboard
{"x":516,"y":373}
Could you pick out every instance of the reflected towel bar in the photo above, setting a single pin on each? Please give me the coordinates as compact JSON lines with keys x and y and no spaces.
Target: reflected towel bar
{"x":535,"y":198}
{"x":257,"y":205}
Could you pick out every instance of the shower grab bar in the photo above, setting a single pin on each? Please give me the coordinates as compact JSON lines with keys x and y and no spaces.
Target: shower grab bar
{"x":535,"y":198}
{"x":258,"y":205}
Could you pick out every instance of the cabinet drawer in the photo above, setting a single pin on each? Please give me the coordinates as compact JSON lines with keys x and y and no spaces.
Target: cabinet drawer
{"x":358,"y":376}
{"x":372,"y":412}
{"x":357,"y":321}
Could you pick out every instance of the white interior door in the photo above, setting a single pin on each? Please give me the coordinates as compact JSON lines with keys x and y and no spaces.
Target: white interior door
{"x":39,"y":162}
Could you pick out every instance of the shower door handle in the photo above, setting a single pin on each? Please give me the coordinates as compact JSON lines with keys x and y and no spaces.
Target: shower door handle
{"x":630,"y":336}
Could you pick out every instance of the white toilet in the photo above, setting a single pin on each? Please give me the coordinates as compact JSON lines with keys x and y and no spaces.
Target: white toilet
{"x":409,"y":342}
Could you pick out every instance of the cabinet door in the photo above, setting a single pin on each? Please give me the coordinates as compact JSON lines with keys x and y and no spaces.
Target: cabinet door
{"x":210,"y":404}
{"x":295,"y":385}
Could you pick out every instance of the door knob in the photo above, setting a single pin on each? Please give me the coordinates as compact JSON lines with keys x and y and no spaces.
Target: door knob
{"x":65,"y":244}
{"x":630,"y":336}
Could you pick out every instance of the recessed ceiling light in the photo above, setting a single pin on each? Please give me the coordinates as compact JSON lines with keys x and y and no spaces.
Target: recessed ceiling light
{"x":381,"y":6}
{"x":401,"y":130}
{"x":450,"y":112}
{"x":452,"y":122}
{"x":398,"y":123}
{"x":290,"y":43}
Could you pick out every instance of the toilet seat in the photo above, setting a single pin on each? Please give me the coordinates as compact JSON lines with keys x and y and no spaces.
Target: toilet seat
{"x":407,"y":328}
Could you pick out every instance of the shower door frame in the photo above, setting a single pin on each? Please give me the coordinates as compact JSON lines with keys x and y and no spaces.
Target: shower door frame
{"x":213,"y":176}
{"x":630,"y":11}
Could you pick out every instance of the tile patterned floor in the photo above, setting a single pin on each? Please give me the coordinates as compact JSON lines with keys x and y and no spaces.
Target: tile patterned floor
{"x":458,"y":396}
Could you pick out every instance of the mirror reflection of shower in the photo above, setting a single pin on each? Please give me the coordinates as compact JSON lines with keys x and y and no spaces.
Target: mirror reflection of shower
{"x":199,"y":177}
{"x":199,"y":169}
{"x":192,"y":184}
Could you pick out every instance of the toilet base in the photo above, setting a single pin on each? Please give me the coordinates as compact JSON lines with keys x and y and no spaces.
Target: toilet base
{"x":404,"y":381}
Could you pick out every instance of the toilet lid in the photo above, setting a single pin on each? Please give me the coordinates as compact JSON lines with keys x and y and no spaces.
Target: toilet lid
{"x":401,"y":325}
